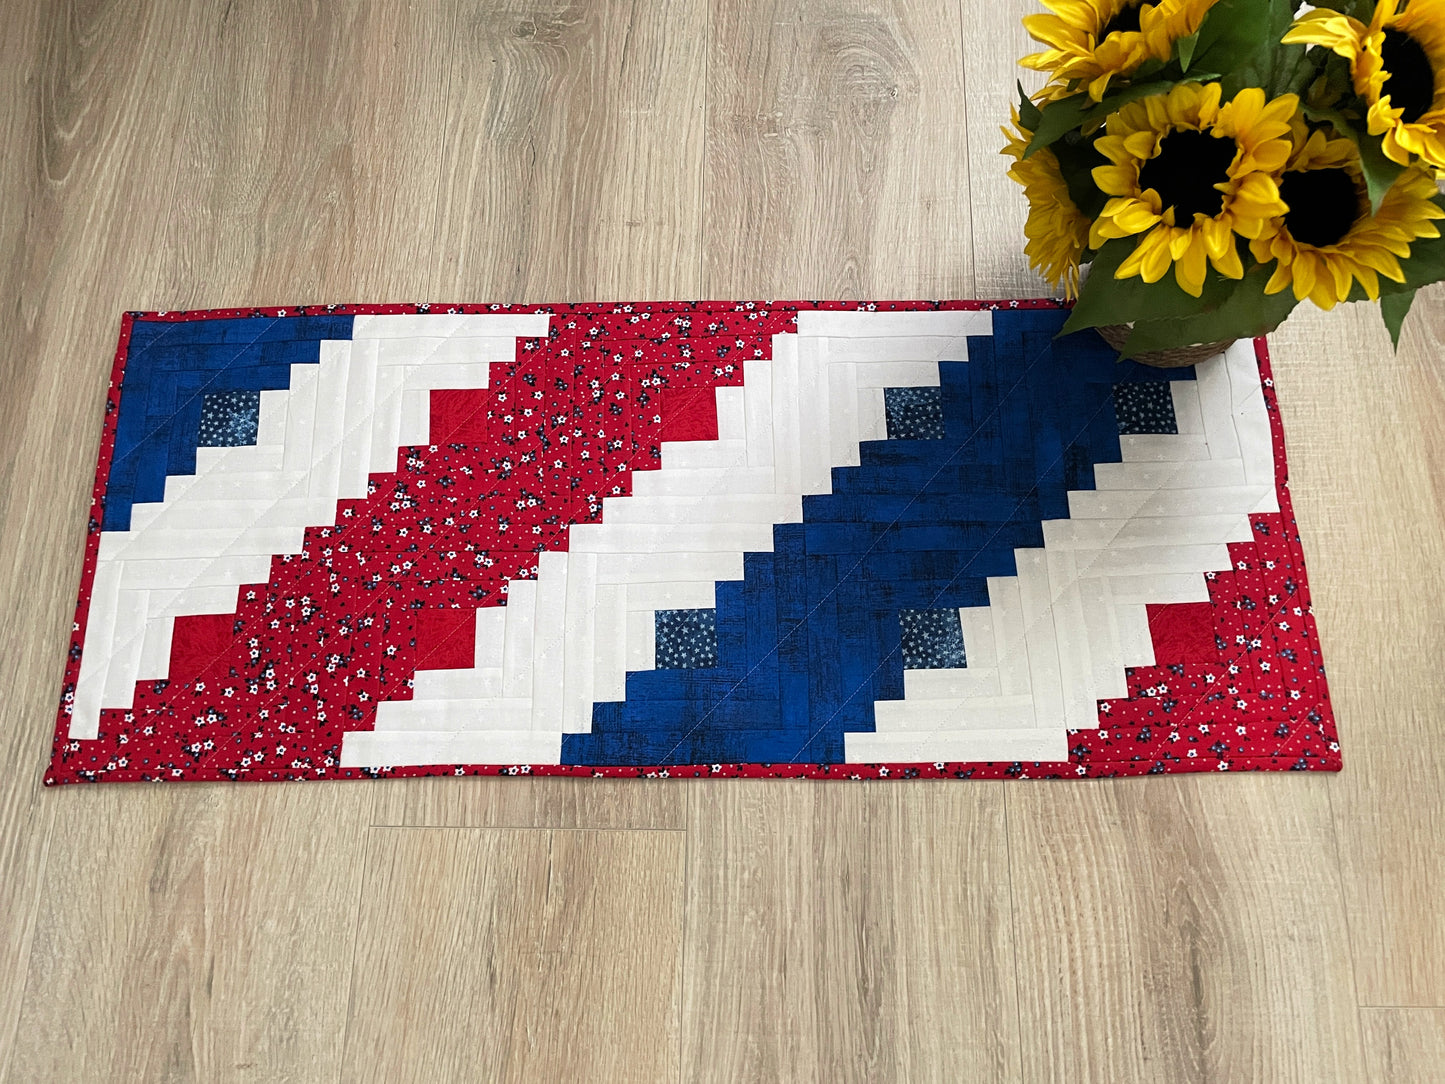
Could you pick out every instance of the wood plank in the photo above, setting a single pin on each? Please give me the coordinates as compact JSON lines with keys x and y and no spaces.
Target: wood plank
{"x":490,"y":802}
{"x":25,"y":818}
{"x":749,"y":973}
{"x":1367,"y":474}
{"x":836,"y":151}
{"x":517,"y":955}
{"x":1183,"y":929}
{"x":197,"y":933}
{"x":570,"y":151}
{"x":1404,"y":1046}
{"x":840,"y":932}
{"x":994,"y":41}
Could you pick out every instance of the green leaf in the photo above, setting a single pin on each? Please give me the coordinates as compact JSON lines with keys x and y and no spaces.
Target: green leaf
{"x":1242,"y":39}
{"x":1230,"y":35}
{"x":1298,"y":68}
{"x":1077,"y":158}
{"x":1394,"y":308}
{"x":1028,"y":112}
{"x":1294,"y":71}
{"x":1107,"y":300}
{"x":1338,"y":85}
{"x":1247,"y":311}
{"x":1380,"y":172}
{"x":1360,"y":9}
{"x":1056,"y":118}
{"x":1186,"y":50}
{"x":1067,"y":114}
{"x":1149,"y":69}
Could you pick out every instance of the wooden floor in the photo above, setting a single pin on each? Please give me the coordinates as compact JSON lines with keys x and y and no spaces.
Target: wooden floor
{"x":1233,"y":928}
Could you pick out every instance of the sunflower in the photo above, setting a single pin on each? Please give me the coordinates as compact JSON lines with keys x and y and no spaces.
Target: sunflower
{"x":1092,"y":41}
{"x":1397,"y":63}
{"x":1057,"y":231}
{"x":1189,"y":174}
{"x":1329,"y":238}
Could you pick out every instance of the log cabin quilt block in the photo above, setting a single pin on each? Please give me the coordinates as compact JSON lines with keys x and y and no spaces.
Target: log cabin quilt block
{"x":904,"y":539}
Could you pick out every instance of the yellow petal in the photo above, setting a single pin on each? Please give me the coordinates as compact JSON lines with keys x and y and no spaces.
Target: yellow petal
{"x":1156,"y":263}
{"x":1135,"y":218}
{"x":1328,"y":28}
{"x":1272,"y":156}
{"x":1370,"y":281}
{"x":1132,"y":263}
{"x":1112,"y":147}
{"x":1098,"y":86}
{"x":1244,"y":108}
{"x":1322,"y":295}
{"x":1392,"y":147}
{"x":1209,"y":102}
{"x":1383,"y":262}
{"x":1103,"y":230}
{"x":1228,"y":263}
{"x":1141,"y":144}
{"x":1114,"y":180}
{"x":1189,"y":271}
{"x":1339,"y":271}
{"x":1049,"y":30}
{"x":1218,"y":237}
{"x":1304,"y":276}
{"x":1279,"y":111}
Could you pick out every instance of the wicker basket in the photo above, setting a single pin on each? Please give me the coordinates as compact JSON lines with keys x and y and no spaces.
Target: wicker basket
{"x":1176,"y":357}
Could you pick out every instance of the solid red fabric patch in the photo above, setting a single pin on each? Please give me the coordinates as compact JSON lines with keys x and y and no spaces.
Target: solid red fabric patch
{"x":198,"y":640}
{"x":445,"y":639}
{"x":1183,"y":632}
{"x":688,"y":413}
{"x":459,"y":416}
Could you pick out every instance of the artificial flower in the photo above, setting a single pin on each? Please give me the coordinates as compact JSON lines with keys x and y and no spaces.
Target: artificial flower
{"x":1057,"y":231}
{"x":1188,"y":174}
{"x":1397,"y":64}
{"x":1328,"y":239}
{"x":1091,"y":42}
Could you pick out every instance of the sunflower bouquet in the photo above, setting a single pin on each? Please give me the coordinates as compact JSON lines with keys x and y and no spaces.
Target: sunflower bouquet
{"x":1216,"y":162}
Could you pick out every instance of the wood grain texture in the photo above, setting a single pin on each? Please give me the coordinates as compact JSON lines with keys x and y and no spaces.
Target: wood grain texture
{"x":991,"y":48}
{"x":195,"y":933}
{"x":172,"y":153}
{"x":517,"y":955}
{"x":836,"y":150}
{"x":490,"y":802}
{"x":1404,"y":1046}
{"x":1367,"y":467}
{"x":25,"y":652}
{"x":1192,"y":931}
{"x":848,"y":933}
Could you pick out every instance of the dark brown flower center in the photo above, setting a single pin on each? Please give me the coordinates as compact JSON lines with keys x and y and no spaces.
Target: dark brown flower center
{"x":1323,"y":205}
{"x":1410,"y":80}
{"x":1125,"y":20}
{"x":1184,"y":172}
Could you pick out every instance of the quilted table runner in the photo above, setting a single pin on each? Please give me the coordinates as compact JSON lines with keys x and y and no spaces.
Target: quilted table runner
{"x":903,"y":539}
